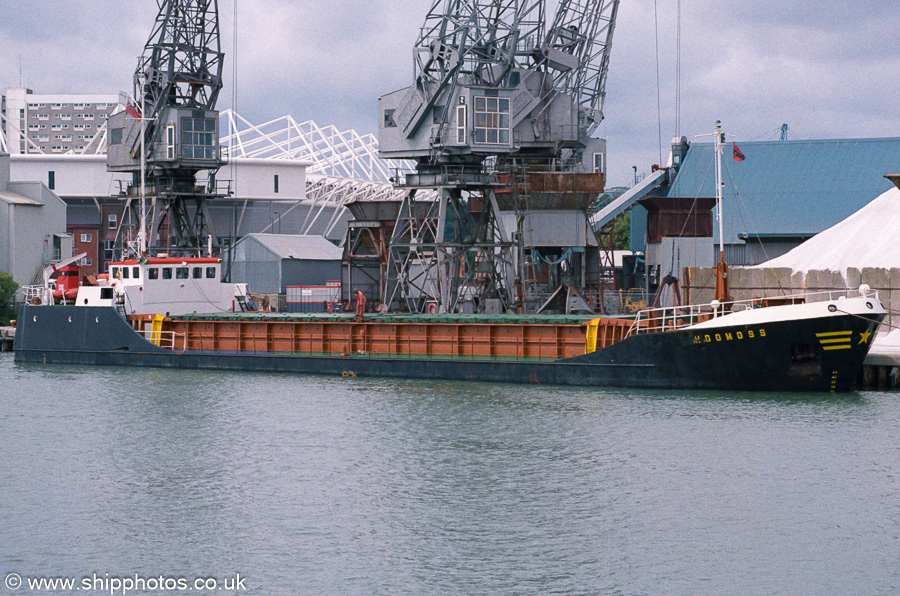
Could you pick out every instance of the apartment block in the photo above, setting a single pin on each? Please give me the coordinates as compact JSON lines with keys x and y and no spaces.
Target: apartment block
{"x":54,"y":123}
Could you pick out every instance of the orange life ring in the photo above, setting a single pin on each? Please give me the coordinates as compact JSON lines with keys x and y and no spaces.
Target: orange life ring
{"x":432,"y":308}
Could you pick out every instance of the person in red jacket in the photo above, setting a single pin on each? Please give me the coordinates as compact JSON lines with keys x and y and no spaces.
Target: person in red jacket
{"x":360,"y":304}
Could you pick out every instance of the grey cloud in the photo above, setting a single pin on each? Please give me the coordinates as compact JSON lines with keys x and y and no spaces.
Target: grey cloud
{"x":824,"y":68}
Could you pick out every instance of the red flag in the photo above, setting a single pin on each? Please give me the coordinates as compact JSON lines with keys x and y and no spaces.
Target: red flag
{"x":737,"y":153}
{"x":132,"y":110}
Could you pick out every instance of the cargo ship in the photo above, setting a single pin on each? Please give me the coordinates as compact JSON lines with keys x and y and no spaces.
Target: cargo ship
{"x":145,"y":314}
{"x":803,"y":343}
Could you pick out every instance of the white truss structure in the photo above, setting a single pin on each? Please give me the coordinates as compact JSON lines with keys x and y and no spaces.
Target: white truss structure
{"x":331,"y":152}
{"x":344,"y":165}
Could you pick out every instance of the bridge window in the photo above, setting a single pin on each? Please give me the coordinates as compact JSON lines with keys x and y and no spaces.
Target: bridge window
{"x":492,"y":120}
{"x":167,"y":273}
{"x":181,"y":273}
{"x":461,"y":124}
{"x":197,"y":273}
{"x":170,"y":142}
{"x":153,"y":273}
{"x":210,"y":273}
{"x":198,"y":138}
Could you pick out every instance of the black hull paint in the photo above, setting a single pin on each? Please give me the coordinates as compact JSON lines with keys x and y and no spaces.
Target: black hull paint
{"x":769,"y":357}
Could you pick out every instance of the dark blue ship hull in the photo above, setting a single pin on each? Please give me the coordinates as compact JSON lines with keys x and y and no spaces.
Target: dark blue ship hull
{"x":776,"y":356}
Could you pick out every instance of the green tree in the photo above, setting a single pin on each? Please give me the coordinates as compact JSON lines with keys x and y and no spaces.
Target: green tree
{"x":7,"y":292}
{"x":622,"y":232}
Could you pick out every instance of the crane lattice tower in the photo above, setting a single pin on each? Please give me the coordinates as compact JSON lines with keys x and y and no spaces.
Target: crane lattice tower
{"x":497,"y":95}
{"x":176,"y":85}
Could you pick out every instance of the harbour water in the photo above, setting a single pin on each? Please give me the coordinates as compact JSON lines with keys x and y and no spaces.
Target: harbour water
{"x":315,"y":485}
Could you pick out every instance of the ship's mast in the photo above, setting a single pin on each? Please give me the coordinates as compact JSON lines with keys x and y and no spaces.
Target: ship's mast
{"x":720,"y":143}
{"x":721,"y":266}
{"x":142,"y":235}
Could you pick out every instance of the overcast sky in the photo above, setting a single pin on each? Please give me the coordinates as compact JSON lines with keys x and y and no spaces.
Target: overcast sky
{"x":828,"y":69}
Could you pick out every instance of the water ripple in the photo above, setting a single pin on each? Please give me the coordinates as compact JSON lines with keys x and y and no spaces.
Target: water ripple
{"x":310,"y":485}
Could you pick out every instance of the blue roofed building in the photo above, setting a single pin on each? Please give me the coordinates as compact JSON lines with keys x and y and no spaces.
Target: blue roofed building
{"x":783,"y":193}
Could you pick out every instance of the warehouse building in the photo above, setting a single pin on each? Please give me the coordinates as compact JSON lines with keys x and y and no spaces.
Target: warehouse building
{"x":269,"y":263}
{"x":32,"y":227}
{"x":783,"y":193}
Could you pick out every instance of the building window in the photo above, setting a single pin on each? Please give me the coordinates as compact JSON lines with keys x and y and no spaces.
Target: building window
{"x":492,"y":120}
{"x":108,"y":252}
{"x":86,"y":237}
{"x":389,"y":119}
{"x":598,"y":163}
{"x":276,"y":183}
{"x":86,"y":261}
{"x":113,"y":220}
{"x":51,"y":180}
{"x":461,"y":124}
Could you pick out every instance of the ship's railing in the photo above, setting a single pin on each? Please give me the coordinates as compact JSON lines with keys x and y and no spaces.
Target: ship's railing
{"x":168,"y":340}
{"x":670,"y":318}
{"x":37,"y":295}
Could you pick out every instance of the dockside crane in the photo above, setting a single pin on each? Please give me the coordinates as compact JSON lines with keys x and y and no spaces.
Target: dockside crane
{"x":169,"y":132}
{"x":498,"y":96}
